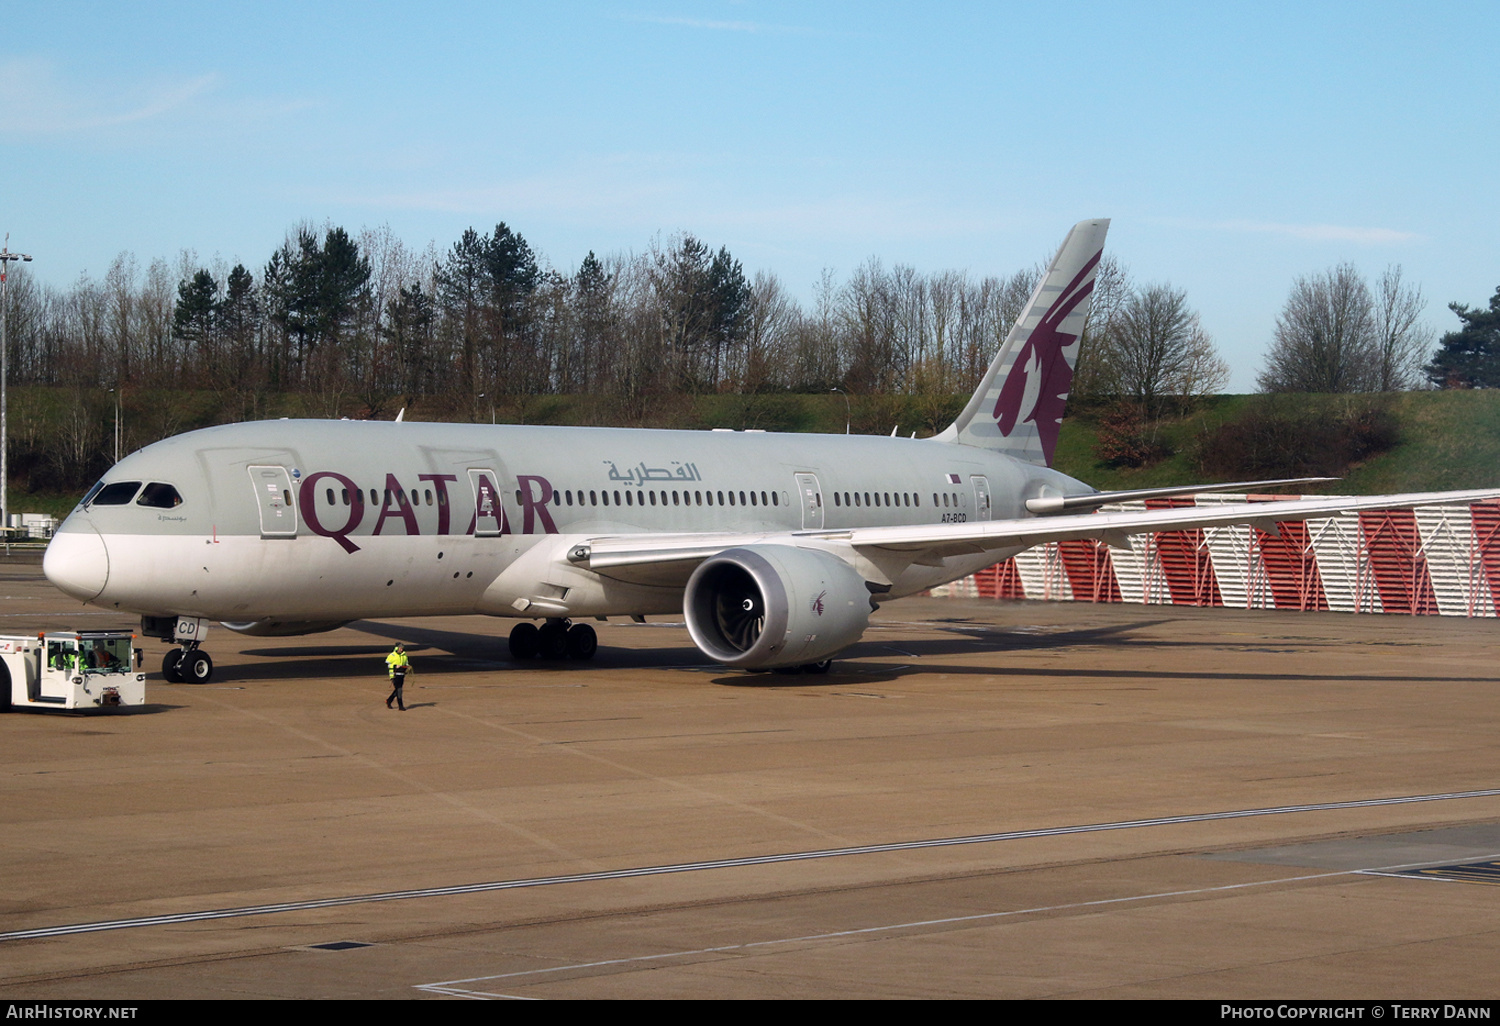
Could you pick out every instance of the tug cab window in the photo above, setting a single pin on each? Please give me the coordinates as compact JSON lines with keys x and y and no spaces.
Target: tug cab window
{"x":107,"y":655}
{"x":63,"y":655}
{"x":162,"y":496}
{"x":117,"y":494}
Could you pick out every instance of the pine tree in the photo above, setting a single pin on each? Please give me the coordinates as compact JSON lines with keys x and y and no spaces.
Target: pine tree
{"x":1469,"y":357}
{"x":195,"y":320}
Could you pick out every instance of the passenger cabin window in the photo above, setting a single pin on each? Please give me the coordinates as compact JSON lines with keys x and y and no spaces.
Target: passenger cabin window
{"x":159,"y":496}
{"x":117,"y":494}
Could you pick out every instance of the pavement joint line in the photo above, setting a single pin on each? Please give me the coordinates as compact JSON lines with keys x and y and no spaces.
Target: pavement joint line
{"x":452,"y":988}
{"x":732,"y":863}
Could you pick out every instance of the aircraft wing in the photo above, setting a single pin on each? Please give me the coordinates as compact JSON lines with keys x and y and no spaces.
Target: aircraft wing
{"x":670,"y":559}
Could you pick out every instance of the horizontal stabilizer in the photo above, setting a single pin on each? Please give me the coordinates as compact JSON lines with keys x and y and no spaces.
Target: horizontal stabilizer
{"x":1052,"y":504}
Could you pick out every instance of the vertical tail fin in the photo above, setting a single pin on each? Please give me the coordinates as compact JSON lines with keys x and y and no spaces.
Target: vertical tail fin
{"x":1018,"y":407}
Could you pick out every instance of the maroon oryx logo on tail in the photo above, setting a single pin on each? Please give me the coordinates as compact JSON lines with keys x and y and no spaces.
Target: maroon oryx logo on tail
{"x":1036,"y":390}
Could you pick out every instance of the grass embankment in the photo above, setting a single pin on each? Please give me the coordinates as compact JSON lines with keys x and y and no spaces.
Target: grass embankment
{"x":1445,"y":440}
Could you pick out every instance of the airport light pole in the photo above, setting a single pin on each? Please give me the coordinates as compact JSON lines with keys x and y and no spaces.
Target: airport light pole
{"x":6,"y":256}
{"x":848,"y":415}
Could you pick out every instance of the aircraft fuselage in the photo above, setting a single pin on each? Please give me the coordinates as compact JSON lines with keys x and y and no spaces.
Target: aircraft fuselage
{"x":334,"y":521}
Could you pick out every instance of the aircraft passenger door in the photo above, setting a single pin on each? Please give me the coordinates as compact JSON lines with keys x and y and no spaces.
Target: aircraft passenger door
{"x":273,"y":494}
{"x":812,"y":501}
{"x":981,"y":496}
{"x":489,"y":514}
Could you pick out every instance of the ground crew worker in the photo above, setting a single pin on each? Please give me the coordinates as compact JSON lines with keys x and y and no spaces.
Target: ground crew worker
{"x":396,"y":664}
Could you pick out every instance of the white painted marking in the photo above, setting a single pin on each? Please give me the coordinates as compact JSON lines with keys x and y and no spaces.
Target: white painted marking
{"x":454,"y":988}
{"x":735,"y":863}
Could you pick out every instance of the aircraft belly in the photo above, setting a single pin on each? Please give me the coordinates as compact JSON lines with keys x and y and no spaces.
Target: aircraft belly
{"x":248,"y":578}
{"x":543,"y":582}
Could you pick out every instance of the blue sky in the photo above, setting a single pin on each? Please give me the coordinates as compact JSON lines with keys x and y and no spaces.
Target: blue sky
{"x":1235,"y":146}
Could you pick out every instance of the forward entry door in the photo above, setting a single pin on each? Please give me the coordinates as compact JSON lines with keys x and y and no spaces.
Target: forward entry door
{"x":278,"y":509}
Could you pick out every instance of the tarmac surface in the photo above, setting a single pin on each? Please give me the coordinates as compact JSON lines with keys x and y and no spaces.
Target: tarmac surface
{"x":983,"y":800}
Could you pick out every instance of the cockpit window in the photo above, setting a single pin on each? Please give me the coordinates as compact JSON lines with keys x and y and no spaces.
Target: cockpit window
{"x":160,"y":496}
{"x":92,"y":492}
{"x":117,"y":494}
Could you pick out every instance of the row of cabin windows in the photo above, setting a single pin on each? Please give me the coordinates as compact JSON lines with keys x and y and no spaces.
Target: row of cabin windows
{"x":877,"y":499}
{"x":628,"y":498}
{"x":593,"y":498}
{"x":907,"y":499}
{"x":358,"y":497}
{"x":566,"y":497}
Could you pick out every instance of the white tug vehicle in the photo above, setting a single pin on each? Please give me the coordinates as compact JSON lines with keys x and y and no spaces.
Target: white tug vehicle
{"x":70,"y":670}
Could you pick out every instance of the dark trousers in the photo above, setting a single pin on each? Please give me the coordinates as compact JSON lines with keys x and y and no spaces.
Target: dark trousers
{"x":398,"y":680}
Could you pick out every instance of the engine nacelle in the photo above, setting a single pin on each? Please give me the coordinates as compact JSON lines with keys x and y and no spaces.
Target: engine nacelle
{"x":766,"y":606}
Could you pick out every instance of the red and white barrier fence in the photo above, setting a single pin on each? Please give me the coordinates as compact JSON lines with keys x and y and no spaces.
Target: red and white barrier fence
{"x":1436,"y":560}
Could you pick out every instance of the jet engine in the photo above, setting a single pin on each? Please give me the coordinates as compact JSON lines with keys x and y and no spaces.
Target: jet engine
{"x":769,"y":606}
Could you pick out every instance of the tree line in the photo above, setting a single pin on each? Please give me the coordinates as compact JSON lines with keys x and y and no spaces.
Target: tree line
{"x":363,"y":325}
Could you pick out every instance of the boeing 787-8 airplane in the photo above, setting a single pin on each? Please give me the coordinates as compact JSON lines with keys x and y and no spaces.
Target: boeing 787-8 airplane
{"x":776,"y":547}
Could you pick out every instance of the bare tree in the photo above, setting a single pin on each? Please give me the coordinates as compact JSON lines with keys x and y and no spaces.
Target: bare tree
{"x":771,"y":311}
{"x":1094,"y":374}
{"x":1158,"y":350}
{"x":1325,"y":338}
{"x":1401,"y":340}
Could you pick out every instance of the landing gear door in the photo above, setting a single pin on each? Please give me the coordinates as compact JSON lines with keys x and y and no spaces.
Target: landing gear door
{"x":273,"y":494}
{"x":489,"y":514}
{"x":812,"y":501}
{"x":981,"y":496}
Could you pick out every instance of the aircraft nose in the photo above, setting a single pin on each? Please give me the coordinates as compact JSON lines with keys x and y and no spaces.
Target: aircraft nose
{"x":77,"y":561}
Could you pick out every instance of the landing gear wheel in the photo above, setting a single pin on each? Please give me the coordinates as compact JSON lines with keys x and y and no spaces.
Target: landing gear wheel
{"x":552,"y":639}
{"x":196,"y":667}
{"x":818,"y":668}
{"x":523,"y":641}
{"x":169,"y":665}
{"x":582,"y":641}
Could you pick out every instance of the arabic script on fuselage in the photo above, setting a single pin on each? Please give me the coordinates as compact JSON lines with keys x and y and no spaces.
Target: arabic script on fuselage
{"x":640,"y":474}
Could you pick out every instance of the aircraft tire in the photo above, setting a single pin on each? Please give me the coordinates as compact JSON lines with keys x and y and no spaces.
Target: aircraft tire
{"x":4,"y":688}
{"x":169,"y":664}
{"x":552,"y":640}
{"x":523,"y":640}
{"x":818,"y":668}
{"x":582,"y":641}
{"x":196,"y":667}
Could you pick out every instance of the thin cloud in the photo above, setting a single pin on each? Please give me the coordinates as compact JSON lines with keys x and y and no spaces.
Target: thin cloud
{"x":1312,"y":232}
{"x":39,"y":102}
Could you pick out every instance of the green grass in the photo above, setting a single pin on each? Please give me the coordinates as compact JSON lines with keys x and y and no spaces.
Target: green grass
{"x":1448,"y":440}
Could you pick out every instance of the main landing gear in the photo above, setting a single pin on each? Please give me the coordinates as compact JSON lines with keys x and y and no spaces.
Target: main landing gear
{"x":555,"y":639}
{"x":187,"y":665}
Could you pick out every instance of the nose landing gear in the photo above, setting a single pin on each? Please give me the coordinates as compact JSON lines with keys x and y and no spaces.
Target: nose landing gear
{"x":187,"y":665}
